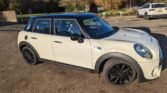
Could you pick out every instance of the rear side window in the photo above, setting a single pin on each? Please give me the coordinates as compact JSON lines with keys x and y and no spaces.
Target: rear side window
{"x":158,"y":6}
{"x":42,"y":26}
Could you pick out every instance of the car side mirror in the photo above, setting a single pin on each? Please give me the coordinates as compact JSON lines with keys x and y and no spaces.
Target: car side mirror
{"x":76,"y":37}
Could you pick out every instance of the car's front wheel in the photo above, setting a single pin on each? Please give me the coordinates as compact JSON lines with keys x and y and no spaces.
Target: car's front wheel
{"x":146,"y":16}
{"x":29,"y":55}
{"x":119,"y":72}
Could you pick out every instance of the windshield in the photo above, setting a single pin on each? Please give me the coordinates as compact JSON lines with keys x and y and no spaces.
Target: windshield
{"x":95,"y":27}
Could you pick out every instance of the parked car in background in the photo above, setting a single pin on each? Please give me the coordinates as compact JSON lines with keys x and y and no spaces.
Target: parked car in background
{"x":152,"y":10}
{"x":85,"y":40}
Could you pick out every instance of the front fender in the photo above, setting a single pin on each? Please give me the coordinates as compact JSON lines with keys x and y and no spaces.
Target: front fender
{"x":102,"y":60}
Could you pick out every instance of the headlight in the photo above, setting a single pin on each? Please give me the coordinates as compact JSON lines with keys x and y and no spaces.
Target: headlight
{"x":142,"y":51}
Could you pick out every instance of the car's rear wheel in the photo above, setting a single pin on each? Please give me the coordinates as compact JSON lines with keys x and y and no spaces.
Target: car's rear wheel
{"x":29,"y":55}
{"x":119,"y":72}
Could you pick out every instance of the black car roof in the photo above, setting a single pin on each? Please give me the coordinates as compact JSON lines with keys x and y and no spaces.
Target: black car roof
{"x":65,"y":15}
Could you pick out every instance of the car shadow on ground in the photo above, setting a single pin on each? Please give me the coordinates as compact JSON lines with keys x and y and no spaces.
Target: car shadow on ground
{"x":162,"y":41}
{"x":11,"y":26}
{"x":7,"y":23}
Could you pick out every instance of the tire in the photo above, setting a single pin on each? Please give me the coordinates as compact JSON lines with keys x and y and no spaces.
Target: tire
{"x":119,"y":72}
{"x":29,"y":55}
{"x":146,"y":17}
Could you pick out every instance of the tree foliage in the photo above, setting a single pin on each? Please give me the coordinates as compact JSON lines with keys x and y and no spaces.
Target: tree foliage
{"x":109,"y":4}
{"x":15,"y":5}
{"x":71,"y":5}
{"x":115,"y":4}
{"x":2,"y":4}
{"x":74,"y":5}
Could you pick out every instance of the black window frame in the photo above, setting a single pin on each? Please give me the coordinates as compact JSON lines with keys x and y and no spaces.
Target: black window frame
{"x":35,"y":22}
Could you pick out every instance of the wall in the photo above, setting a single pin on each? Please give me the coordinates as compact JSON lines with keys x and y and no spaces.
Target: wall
{"x":8,"y":16}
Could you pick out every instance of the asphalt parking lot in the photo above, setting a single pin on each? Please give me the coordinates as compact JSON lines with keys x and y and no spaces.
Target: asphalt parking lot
{"x":18,"y":77}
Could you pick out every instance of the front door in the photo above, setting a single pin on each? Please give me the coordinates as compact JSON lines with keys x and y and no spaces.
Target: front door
{"x":144,"y":9}
{"x":69,"y":51}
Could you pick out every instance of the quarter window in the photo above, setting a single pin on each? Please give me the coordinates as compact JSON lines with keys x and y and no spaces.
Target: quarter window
{"x":42,"y":26}
{"x":66,"y":27}
{"x":28,"y":26}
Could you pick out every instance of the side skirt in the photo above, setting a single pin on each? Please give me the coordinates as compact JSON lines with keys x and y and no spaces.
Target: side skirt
{"x":67,"y":65}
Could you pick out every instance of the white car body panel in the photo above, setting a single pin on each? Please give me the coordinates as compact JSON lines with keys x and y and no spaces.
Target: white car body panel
{"x":43,"y":43}
{"x":158,"y":11}
{"x":143,"y":11}
{"x":72,"y":52}
{"x":123,"y":42}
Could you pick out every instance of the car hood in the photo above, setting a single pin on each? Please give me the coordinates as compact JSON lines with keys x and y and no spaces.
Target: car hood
{"x":131,"y":35}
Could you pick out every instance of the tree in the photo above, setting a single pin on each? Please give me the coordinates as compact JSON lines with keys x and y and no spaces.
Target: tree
{"x":109,"y":4}
{"x":2,"y":5}
{"x":15,"y":5}
{"x":156,"y":0}
{"x":1,"y":2}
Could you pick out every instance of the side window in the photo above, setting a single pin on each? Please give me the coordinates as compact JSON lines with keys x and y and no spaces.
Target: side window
{"x":158,"y":6}
{"x":42,"y":26}
{"x":66,"y":27}
{"x":92,"y":22}
{"x":146,"y":6}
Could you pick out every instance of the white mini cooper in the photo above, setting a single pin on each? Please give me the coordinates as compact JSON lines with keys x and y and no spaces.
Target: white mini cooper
{"x":85,"y":40}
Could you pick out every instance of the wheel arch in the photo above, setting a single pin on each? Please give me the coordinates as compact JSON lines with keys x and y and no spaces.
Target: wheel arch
{"x":24,"y":43}
{"x":145,"y":13}
{"x":103,"y":59}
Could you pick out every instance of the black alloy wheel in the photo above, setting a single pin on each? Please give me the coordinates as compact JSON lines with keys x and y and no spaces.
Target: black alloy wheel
{"x":29,"y":55}
{"x":119,"y":72}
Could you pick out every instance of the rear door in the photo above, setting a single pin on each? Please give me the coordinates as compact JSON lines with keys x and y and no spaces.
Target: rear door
{"x":159,"y":9}
{"x":41,"y":39}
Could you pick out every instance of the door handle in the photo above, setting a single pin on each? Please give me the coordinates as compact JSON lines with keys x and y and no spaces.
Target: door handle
{"x":34,"y":38}
{"x":57,"y":42}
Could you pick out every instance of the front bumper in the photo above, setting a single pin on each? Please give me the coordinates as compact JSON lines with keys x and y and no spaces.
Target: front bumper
{"x":152,"y":70}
